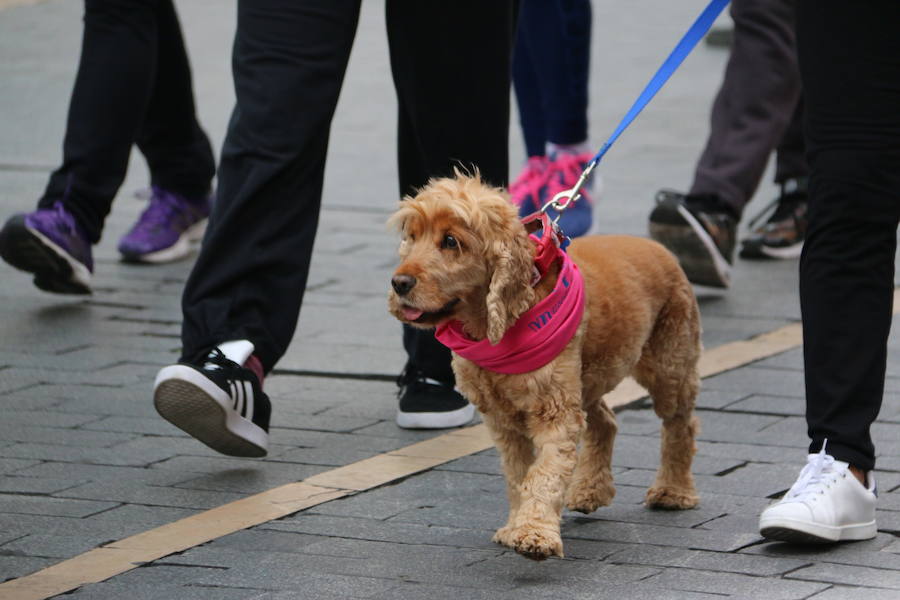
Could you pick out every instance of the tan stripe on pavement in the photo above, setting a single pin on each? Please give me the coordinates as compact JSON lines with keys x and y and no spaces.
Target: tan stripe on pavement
{"x":126,"y":554}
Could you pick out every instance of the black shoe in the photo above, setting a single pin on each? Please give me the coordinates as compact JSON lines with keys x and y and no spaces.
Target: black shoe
{"x":429,"y":404}
{"x":220,"y":403}
{"x":782,"y":235}
{"x":700,"y":231}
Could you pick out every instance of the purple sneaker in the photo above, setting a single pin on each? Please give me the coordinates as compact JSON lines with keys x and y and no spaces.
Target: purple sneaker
{"x":165,"y":229}
{"x":49,"y":243}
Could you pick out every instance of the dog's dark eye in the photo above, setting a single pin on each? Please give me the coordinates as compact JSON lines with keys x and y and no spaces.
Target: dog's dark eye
{"x":449,"y":242}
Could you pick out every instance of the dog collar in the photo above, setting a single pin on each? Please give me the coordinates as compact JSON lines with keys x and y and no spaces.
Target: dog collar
{"x":539,"y":334}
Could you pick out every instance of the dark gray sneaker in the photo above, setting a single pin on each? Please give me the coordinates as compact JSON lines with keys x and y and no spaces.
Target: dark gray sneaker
{"x":700,"y":231}
{"x":781,"y":235}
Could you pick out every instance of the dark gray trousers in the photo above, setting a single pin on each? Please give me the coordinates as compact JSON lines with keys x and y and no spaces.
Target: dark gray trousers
{"x":758,"y":108}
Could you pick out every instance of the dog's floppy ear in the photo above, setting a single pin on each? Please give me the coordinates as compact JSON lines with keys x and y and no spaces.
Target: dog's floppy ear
{"x":510,"y":293}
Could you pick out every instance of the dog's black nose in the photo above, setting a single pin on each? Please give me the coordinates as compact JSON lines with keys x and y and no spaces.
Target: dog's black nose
{"x":403,"y":283}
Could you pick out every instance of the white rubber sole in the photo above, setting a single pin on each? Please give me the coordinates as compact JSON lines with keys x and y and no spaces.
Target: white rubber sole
{"x":805,"y":532}
{"x":436,"y":420}
{"x":723,"y":269}
{"x":80,"y":275}
{"x":200,"y":408}
{"x":783,"y":253}
{"x":180,"y":249}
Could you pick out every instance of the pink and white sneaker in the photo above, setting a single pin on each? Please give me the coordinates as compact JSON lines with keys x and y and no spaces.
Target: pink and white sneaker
{"x":526,"y":191}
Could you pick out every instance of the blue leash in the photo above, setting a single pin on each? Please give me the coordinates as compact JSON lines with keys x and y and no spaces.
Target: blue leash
{"x":684,"y":47}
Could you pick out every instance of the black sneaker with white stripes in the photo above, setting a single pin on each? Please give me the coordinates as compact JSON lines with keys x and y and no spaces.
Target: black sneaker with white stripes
{"x":221,"y":403}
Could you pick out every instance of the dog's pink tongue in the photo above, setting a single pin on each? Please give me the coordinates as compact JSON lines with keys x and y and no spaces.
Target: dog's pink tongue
{"x":411,"y":314}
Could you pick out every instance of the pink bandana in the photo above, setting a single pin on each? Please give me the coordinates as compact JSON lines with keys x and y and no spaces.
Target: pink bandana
{"x":536,"y":338}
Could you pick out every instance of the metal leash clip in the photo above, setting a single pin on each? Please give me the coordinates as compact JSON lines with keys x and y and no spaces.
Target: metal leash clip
{"x":570,"y":195}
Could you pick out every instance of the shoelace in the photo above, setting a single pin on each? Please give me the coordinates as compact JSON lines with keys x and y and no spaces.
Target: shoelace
{"x":569,"y":169}
{"x":163,"y":209}
{"x":530,"y":180}
{"x":65,"y":221}
{"x":410,"y":375}
{"x":817,"y":473}
{"x":215,"y":360}
{"x":778,"y":209}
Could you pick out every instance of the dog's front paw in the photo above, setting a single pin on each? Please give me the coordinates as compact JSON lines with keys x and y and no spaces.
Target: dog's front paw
{"x":669,"y":498}
{"x":504,"y":536}
{"x":535,"y":543}
{"x":586,"y":497}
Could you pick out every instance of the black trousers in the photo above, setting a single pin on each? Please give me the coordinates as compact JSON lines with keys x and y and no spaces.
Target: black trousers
{"x":133,"y":87}
{"x":850,"y":65}
{"x":451,"y":69}
{"x":758,"y":107}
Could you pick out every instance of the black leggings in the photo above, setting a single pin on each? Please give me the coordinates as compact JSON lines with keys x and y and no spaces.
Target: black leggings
{"x":850,"y":67}
{"x":133,"y":87}
{"x":289,"y":61}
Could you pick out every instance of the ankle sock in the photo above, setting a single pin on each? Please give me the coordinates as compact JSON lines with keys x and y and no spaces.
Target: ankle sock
{"x":580,"y":148}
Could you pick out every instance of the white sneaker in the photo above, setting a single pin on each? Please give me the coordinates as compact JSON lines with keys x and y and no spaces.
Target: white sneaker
{"x":826,"y":504}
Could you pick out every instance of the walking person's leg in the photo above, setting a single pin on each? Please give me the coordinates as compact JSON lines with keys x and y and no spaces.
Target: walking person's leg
{"x":551,"y":67}
{"x":751,"y":111}
{"x":178,"y":155}
{"x":444,"y":124}
{"x":116,"y":74}
{"x":242,"y":300}
{"x":784,"y":230}
{"x":847,"y":53}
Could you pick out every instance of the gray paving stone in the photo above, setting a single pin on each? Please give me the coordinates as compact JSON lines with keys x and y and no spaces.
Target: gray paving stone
{"x":11,"y":465}
{"x":758,"y":380}
{"x":35,"y":485}
{"x":761,"y":453}
{"x":138,"y":453}
{"x":856,"y":575}
{"x":163,"y":591}
{"x":63,"y":436}
{"x":280,"y":571}
{"x":849,"y":593}
{"x":46,"y":418}
{"x":52,"y":546}
{"x":750,"y":480}
{"x":662,"y":556}
{"x":483,"y":462}
{"x":19,"y":566}
{"x":579,"y":576}
{"x":639,"y":533}
{"x":714,"y":399}
{"x":150,"y":495}
{"x":640,"y":452}
{"x":326,"y":525}
{"x":868,"y":553}
{"x":434,"y":492}
{"x":638,"y":513}
{"x":232,"y":474}
{"x":772,"y":405}
{"x":43,"y":505}
{"x":735,"y":585}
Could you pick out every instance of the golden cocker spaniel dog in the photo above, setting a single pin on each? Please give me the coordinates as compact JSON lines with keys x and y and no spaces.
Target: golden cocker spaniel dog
{"x":466,"y":258}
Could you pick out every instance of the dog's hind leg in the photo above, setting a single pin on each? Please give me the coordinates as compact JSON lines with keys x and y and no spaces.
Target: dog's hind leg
{"x":555,"y":427}
{"x":516,"y":455}
{"x":592,"y":484}
{"x":668,"y":369}
{"x":674,"y":484}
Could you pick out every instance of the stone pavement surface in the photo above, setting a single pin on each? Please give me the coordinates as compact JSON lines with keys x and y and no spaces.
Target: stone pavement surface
{"x":85,"y":460}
